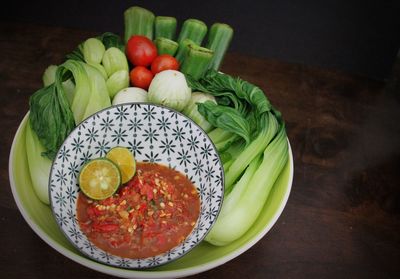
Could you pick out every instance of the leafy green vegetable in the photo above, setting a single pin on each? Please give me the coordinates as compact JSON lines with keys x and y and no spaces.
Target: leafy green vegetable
{"x":49,"y":75}
{"x":252,"y":150}
{"x":192,"y":112}
{"x":93,"y":51}
{"x":117,"y":81}
{"x":39,"y":166}
{"x":226,"y":118}
{"x":112,"y":40}
{"x":244,"y":203}
{"x":100,"y":68}
{"x":108,"y":39}
{"x":91,"y":94}
{"x":51,"y":117}
{"x":253,"y":146}
{"x":76,"y":54}
{"x":235,"y":90}
{"x":219,"y":134}
{"x":114,"y":60}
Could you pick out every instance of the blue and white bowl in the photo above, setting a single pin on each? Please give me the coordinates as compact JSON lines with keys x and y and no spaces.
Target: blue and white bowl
{"x":154,"y":134}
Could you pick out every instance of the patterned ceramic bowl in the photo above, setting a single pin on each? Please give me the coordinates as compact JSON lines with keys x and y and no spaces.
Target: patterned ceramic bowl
{"x":154,"y":134}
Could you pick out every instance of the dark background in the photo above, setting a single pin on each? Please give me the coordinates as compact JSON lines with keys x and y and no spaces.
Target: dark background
{"x":360,"y":37}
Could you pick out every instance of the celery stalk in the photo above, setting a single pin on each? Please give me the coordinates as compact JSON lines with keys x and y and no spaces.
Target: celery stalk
{"x":166,"y":46}
{"x":194,"y":30}
{"x":196,"y":61}
{"x":138,"y":21}
{"x":219,"y":38}
{"x":165,"y":27}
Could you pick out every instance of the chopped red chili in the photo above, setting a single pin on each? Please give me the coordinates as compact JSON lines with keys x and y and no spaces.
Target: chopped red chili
{"x":152,"y":213}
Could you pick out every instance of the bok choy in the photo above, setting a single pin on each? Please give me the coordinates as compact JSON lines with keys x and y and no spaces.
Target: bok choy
{"x":251,"y":138}
{"x":52,"y":117}
{"x":39,"y":166}
{"x":243,"y":205}
{"x":192,"y":112}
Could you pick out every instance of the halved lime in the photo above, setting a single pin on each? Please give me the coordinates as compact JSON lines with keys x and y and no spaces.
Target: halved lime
{"x":99,"y":178}
{"x":125,"y":161}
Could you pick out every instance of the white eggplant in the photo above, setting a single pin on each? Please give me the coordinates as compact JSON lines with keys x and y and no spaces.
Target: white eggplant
{"x":169,"y":88}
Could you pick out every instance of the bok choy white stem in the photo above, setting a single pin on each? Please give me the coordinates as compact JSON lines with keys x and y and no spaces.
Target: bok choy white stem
{"x":256,"y":147}
{"x":243,"y":205}
{"x":39,"y":166}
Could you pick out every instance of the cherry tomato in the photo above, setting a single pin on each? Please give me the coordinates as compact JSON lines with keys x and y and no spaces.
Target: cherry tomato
{"x":164,"y":62}
{"x":141,"y":51}
{"x":141,"y":77}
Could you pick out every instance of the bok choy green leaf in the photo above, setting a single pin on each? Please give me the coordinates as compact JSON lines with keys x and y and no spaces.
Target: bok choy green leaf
{"x":252,"y":163}
{"x":108,"y":39}
{"x":51,"y":116}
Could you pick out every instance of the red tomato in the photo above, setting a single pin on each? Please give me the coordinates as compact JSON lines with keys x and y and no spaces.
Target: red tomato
{"x":141,"y":77}
{"x":141,"y":51}
{"x":164,"y":62}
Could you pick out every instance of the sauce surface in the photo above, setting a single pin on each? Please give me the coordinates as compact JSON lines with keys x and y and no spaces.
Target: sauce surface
{"x":152,"y":213}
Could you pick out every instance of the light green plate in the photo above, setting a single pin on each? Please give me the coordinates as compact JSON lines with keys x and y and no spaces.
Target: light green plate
{"x":202,"y":258}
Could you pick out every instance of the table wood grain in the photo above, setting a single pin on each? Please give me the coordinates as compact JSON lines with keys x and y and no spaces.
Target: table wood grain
{"x":342,"y":217}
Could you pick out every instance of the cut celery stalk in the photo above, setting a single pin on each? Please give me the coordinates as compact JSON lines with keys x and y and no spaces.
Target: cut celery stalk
{"x":196,"y":61}
{"x":165,"y":27}
{"x":138,"y":21}
{"x":166,"y":46}
{"x":219,"y":38}
{"x":194,"y":30}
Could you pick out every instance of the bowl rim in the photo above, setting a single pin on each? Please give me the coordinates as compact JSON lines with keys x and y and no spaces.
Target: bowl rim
{"x":125,"y":273}
{"x":133,"y":106}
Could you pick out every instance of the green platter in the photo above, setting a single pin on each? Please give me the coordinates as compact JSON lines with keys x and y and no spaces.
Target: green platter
{"x":202,"y":258}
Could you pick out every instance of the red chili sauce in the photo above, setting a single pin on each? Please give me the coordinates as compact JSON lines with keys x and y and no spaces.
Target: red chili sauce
{"x":149,"y":215}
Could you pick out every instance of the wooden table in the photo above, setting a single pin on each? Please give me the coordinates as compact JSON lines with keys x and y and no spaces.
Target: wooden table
{"x":342,"y":218}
